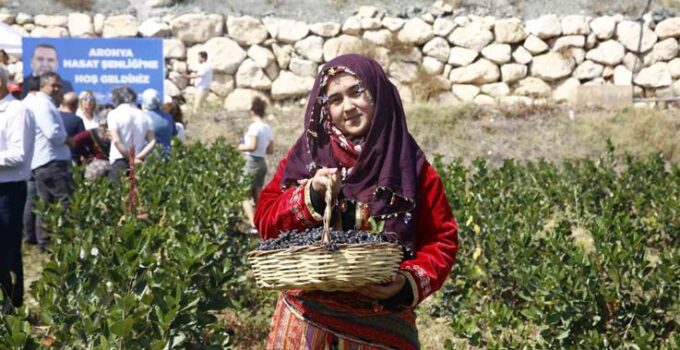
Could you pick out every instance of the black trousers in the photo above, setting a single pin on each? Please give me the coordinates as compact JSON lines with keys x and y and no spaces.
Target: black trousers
{"x":12,"y":200}
{"x":29,"y":215}
{"x":52,"y":184}
{"x":119,"y":168}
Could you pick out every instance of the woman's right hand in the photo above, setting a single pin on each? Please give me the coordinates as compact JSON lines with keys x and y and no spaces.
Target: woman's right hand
{"x":325,"y":177}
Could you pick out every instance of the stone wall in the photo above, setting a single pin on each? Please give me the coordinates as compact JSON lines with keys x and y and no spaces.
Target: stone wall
{"x":436,"y":56}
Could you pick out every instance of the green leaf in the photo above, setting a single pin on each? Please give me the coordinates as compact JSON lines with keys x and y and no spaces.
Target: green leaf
{"x":122,"y":327}
{"x":563,"y":335}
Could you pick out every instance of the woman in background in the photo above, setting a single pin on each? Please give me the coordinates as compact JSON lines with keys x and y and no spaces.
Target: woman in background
{"x":258,"y":142}
{"x":171,"y":107}
{"x":86,"y":109}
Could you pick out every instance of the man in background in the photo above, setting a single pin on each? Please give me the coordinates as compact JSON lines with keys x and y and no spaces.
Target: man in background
{"x":17,"y":133}
{"x":131,"y":129}
{"x":72,"y":123}
{"x":43,"y":60}
{"x":203,"y":78}
{"x":51,"y":165}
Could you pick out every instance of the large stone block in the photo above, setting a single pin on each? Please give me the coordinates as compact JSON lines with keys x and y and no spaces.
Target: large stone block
{"x":197,"y":28}
{"x":480,"y":72}
{"x":628,"y":34}
{"x":289,"y":85}
{"x":552,"y":66}
{"x":120,"y":26}
{"x":80,"y":24}
{"x":473,"y":37}
{"x":509,"y":31}
{"x":246,"y":30}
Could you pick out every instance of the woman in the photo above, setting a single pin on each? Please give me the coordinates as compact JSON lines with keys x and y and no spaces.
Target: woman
{"x":92,"y":147}
{"x":171,"y":107}
{"x":86,"y":110}
{"x":357,"y":143}
{"x":258,"y":141}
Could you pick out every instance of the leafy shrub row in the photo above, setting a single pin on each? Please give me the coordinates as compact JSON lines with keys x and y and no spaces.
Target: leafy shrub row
{"x":118,"y":282}
{"x":584,"y":255}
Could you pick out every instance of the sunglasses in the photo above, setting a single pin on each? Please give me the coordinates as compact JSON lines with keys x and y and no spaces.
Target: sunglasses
{"x":88,"y":99}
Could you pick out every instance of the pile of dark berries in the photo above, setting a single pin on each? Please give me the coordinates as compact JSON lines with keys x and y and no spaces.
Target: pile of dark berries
{"x":312,"y":236}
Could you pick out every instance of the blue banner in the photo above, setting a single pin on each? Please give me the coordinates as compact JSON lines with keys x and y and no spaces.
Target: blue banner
{"x":99,"y":65}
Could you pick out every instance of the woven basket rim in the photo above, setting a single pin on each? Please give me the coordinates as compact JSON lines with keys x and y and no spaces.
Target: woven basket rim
{"x":315,"y":248}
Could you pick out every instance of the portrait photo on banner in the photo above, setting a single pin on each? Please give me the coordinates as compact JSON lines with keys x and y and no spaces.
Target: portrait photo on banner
{"x":96,"y":64}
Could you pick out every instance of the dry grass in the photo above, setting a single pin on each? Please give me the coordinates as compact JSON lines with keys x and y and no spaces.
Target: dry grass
{"x":435,"y":128}
{"x":528,"y":133}
{"x":433,"y":332}
{"x":397,"y":46}
{"x":523,"y":111}
{"x":275,"y":3}
{"x":520,"y":132}
{"x":426,"y":86}
{"x":83,"y":5}
{"x":671,"y":4}
{"x":635,"y":131}
{"x":454,"y":3}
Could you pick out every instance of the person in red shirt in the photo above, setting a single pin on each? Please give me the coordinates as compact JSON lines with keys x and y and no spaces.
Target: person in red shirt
{"x":92,"y":148}
{"x":356,"y":142}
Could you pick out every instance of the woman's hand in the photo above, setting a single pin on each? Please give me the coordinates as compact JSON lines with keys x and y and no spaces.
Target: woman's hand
{"x":327,"y":177}
{"x":384,"y":291}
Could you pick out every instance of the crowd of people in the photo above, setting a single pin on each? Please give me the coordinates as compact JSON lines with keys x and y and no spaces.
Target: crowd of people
{"x":48,"y":131}
{"x":356,"y":147}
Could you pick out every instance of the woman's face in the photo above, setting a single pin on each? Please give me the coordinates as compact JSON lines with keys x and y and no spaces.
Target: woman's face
{"x":350,"y":105}
{"x":88,"y":102}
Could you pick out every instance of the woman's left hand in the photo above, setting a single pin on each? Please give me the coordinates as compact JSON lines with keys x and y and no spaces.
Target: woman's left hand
{"x":384,"y":291}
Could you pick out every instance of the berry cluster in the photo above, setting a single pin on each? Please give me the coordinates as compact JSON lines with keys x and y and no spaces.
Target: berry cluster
{"x":312,"y":236}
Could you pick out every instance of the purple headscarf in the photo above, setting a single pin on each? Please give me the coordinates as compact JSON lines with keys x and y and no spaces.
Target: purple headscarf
{"x":386,"y":175}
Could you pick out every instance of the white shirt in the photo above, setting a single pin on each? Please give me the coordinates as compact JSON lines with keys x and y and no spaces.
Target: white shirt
{"x":89,"y":124}
{"x":132,"y":124}
{"x":204,"y":79}
{"x":263,"y":132}
{"x":50,"y":134}
{"x":17,"y":134}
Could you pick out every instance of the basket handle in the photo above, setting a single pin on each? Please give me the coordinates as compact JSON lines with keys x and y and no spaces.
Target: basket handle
{"x":326,"y":235}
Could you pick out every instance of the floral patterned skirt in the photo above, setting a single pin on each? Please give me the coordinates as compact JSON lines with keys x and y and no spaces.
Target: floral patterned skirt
{"x":290,"y":331}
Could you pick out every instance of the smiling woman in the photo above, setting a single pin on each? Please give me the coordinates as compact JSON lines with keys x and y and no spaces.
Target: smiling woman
{"x":357,"y":144}
{"x":350,"y":105}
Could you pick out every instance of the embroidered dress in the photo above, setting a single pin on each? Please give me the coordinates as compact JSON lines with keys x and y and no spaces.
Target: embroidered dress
{"x":350,"y":315}
{"x":287,"y":321}
{"x":386,"y":179}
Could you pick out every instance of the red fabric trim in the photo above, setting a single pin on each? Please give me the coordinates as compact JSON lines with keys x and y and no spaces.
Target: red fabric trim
{"x":343,"y":149}
{"x":438,"y":236}
{"x":282,"y":209}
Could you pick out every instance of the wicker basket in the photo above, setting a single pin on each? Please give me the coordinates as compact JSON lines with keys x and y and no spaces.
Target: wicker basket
{"x":313,"y":267}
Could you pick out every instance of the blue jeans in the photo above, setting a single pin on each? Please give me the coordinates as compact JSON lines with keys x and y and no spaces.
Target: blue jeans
{"x":12,"y":200}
